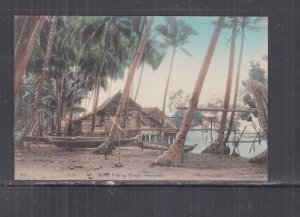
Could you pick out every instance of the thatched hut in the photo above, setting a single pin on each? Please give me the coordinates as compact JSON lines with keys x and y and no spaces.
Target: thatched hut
{"x":151,"y":126}
{"x":144,"y":122}
{"x":103,"y":122}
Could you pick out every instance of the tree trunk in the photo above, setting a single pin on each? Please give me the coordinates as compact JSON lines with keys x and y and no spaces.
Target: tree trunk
{"x":41,"y":82}
{"x":219,"y":147}
{"x":98,"y":83}
{"x":24,"y":47}
{"x":107,"y":146}
{"x":110,"y":85}
{"x":95,"y":103}
{"x":59,"y":92}
{"x":69,"y":127}
{"x":168,"y":81}
{"x":236,"y":89}
{"x":162,"y":134}
{"x":171,"y":156}
{"x":139,"y":82}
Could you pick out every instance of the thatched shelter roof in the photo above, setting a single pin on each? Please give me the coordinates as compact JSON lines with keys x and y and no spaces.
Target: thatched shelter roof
{"x":110,"y":106}
{"x":156,"y":114}
{"x":149,"y":116}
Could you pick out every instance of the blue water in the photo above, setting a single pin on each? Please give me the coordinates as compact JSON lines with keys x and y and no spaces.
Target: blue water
{"x":204,"y":140}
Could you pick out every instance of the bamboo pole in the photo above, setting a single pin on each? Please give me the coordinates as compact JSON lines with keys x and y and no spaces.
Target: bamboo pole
{"x":219,"y":110}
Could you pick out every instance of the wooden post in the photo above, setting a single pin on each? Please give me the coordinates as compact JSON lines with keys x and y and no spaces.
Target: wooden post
{"x":237,"y":142}
{"x":219,"y":110}
{"x":126,"y":115}
{"x":211,"y":137}
{"x":119,"y":151}
{"x":253,"y":144}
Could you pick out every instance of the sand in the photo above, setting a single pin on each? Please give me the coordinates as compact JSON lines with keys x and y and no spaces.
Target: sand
{"x":47,"y":162}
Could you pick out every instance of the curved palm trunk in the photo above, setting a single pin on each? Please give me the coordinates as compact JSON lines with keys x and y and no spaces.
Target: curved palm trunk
{"x":98,"y":83}
{"x":168,"y":81}
{"x":139,"y":82}
{"x":219,"y":147}
{"x":41,"y":83}
{"x":107,"y":146}
{"x":24,"y":47}
{"x":70,"y":122}
{"x":162,"y":134}
{"x":236,"y":88}
{"x":171,"y":156}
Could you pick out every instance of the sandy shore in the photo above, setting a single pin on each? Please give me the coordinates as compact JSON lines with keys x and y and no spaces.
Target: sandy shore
{"x":48,"y":162}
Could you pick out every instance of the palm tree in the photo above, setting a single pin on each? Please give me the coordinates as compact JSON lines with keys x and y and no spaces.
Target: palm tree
{"x":43,"y":77}
{"x":153,"y":56}
{"x":82,"y":38}
{"x":116,"y":30}
{"x":219,"y":147}
{"x":107,"y":146}
{"x":244,"y":23}
{"x":175,"y":34}
{"x":62,"y":54}
{"x":173,"y":153}
{"x":24,"y":46}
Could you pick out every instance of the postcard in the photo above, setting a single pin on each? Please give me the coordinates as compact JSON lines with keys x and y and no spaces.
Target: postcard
{"x":141,"y":98}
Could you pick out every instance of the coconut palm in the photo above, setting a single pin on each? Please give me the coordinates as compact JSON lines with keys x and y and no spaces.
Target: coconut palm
{"x":62,"y":57}
{"x":111,"y":44}
{"x":80,"y":40}
{"x":24,"y":46}
{"x":219,"y":147}
{"x":43,"y":77}
{"x":107,"y":146}
{"x":153,"y":56}
{"x":171,"y":156}
{"x":175,"y":34}
{"x":244,"y":23}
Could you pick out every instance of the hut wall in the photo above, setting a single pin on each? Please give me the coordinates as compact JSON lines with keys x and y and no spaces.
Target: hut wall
{"x":132,"y":122}
{"x":86,"y":125}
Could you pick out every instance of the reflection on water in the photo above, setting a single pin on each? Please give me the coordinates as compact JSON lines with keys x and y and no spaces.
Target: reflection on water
{"x":204,"y":139}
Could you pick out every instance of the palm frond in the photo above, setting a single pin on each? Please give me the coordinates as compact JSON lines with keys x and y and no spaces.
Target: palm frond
{"x":186,"y":52}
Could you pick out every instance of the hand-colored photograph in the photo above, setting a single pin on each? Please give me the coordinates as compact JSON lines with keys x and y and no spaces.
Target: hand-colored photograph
{"x":141,"y":98}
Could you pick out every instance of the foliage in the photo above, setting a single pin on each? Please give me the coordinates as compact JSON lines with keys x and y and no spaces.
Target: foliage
{"x":257,"y":73}
{"x":78,"y":45}
{"x":175,"y":33}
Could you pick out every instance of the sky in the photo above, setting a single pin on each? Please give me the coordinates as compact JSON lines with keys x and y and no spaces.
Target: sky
{"x":186,"y":68}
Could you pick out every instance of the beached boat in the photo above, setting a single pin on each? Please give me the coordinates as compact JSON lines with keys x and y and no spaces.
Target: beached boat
{"x":187,"y":148}
{"x":76,"y":141}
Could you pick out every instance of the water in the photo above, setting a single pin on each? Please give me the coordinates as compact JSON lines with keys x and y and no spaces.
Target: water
{"x":204,"y":140}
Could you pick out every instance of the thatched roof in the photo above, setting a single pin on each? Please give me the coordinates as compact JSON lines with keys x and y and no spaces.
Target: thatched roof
{"x":110,"y":106}
{"x":156,"y":114}
{"x":150,"y":116}
{"x":148,"y":121}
